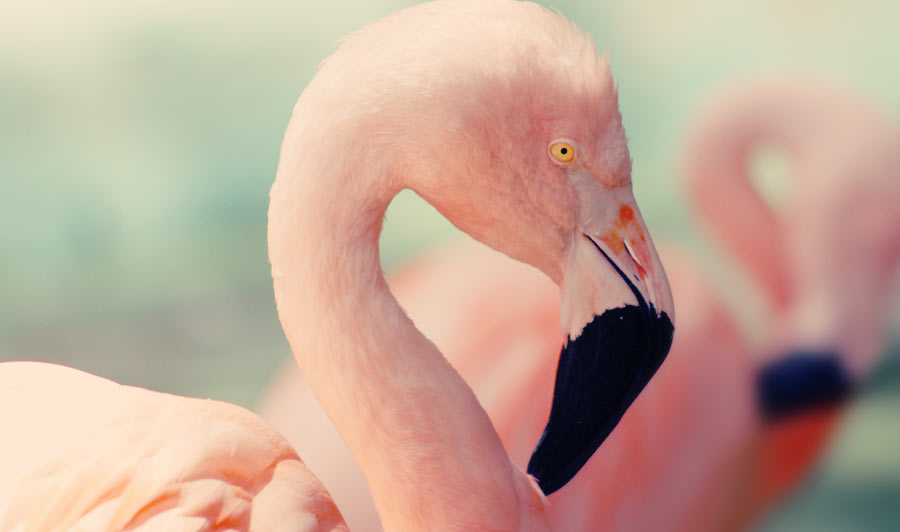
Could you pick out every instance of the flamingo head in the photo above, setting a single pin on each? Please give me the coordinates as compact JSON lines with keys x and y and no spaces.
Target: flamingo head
{"x":826,"y":258}
{"x":503,"y":116}
{"x":528,"y":154}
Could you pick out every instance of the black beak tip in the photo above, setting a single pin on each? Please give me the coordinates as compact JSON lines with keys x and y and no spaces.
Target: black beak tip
{"x":802,"y":381}
{"x":600,"y":374}
{"x":550,"y":476}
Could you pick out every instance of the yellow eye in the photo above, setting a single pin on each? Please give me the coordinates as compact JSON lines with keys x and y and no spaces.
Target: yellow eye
{"x":562,"y":152}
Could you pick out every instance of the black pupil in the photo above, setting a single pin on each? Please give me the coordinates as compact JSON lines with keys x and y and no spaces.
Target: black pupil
{"x":564,"y":151}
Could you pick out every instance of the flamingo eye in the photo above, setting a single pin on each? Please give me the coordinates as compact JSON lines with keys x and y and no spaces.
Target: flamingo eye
{"x":562,"y":152}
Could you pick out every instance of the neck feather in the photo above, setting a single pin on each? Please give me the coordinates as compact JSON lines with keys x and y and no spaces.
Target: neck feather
{"x":429,"y":452}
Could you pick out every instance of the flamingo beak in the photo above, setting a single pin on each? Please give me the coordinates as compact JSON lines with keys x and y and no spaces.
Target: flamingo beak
{"x":618,"y":313}
{"x":801,"y":381}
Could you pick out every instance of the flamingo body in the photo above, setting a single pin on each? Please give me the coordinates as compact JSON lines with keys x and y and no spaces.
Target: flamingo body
{"x":82,"y":453}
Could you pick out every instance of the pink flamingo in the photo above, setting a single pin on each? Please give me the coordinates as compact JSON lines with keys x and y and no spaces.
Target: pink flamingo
{"x":523,"y":148}
{"x":695,"y":452}
{"x":825,"y":262}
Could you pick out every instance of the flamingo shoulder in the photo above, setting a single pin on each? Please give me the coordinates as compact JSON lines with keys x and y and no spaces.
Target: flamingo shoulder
{"x":86,"y":453}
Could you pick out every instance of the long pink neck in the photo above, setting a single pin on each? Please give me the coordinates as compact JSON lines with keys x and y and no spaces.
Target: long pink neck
{"x":717,"y":163}
{"x":429,"y":452}
{"x":815,"y":259}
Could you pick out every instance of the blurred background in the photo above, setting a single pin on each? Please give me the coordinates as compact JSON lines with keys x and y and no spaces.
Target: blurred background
{"x":138,"y":142}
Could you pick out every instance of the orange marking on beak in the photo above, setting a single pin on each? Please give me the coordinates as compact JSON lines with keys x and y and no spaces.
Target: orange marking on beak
{"x":614,"y":241}
{"x":626,"y":214}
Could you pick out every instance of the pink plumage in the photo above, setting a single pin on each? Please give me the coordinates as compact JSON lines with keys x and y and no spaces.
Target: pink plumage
{"x":85,"y":453}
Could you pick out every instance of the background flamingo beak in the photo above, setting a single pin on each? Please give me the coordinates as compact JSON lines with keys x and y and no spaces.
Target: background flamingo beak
{"x":618,"y":294}
{"x":802,"y":381}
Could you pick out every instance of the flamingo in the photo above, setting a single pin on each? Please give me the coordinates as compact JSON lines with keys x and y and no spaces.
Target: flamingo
{"x":505,"y":118}
{"x":714,"y":441}
{"x":825,"y":261}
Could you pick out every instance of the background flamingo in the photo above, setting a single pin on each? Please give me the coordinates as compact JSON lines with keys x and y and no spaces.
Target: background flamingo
{"x":528,"y":155}
{"x":694,"y":447}
{"x":825,"y":260}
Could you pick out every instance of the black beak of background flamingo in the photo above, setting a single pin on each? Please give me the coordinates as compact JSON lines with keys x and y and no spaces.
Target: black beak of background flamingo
{"x":802,"y":380}
{"x":600,"y":374}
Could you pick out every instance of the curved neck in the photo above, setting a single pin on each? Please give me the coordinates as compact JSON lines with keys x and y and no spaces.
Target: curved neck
{"x":429,"y":452}
{"x":716,"y":169}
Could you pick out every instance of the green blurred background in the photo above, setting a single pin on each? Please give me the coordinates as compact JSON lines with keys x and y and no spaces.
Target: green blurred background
{"x":138,"y":141}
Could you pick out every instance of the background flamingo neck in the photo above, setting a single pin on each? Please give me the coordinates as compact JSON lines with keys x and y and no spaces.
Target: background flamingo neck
{"x":717,"y":170}
{"x":427,"y":448}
